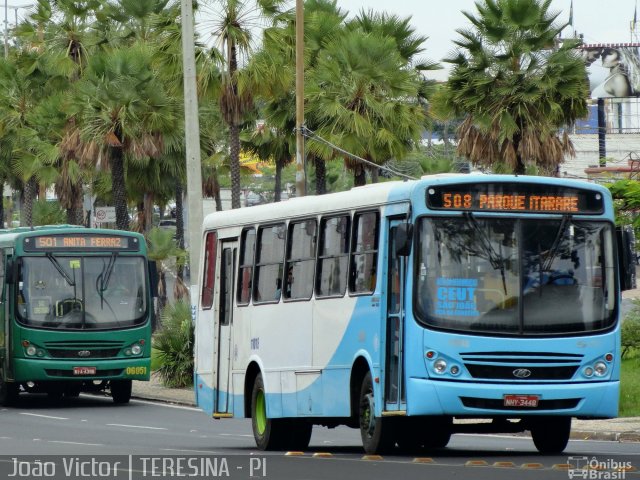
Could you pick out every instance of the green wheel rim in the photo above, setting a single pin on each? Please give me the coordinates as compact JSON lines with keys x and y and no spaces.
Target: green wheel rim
{"x":261,"y":413}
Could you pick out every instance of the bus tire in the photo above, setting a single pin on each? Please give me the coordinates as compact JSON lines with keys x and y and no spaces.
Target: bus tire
{"x":378,"y":434}
{"x":269,"y":433}
{"x":9,"y":392}
{"x":121,"y":391}
{"x":551,"y":434}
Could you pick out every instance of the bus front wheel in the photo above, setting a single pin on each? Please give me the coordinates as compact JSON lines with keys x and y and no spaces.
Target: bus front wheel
{"x":121,"y":390}
{"x":378,"y":435}
{"x":269,"y":433}
{"x":9,"y":392}
{"x":551,"y":434}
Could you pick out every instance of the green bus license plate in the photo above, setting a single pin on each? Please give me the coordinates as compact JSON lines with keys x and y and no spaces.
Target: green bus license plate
{"x":530,"y":401}
{"x":84,"y":370}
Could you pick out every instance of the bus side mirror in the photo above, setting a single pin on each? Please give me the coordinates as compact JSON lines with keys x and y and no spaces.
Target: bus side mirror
{"x":153,"y":278}
{"x":625,"y":239}
{"x":403,"y":239}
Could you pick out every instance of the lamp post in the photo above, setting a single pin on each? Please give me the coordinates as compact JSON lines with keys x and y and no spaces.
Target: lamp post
{"x":192,"y":140}
{"x":300,"y":173}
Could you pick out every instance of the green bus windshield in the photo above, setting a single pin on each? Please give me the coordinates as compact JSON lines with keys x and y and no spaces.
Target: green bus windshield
{"x":78,"y":292}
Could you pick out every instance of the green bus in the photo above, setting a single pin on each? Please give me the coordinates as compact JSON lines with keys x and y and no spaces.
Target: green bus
{"x":76,"y":311}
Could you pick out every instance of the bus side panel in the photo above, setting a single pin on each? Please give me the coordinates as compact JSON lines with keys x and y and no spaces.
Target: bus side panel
{"x":280,"y":337}
{"x":203,"y":382}
{"x":345,"y":329}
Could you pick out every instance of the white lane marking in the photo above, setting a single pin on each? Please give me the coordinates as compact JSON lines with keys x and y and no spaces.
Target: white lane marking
{"x":76,"y":443}
{"x":134,"y":426}
{"x":234,"y":435}
{"x":191,"y":451}
{"x":43,"y":416}
{"x":5,"y":438}
{"x":167,"y":405}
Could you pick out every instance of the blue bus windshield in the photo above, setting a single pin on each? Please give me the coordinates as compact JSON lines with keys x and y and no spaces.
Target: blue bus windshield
{"x":74,"y":292}
{"x":515,"y":276}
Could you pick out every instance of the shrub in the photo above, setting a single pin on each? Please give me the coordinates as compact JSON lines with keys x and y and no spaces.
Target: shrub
{"x":174,"y":345}
{"x":631,"y":329}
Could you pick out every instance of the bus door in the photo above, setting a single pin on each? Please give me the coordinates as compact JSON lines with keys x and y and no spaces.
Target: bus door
{"x":222,"y":327}
{"x":5,"y":321}
{"x":394,"y":376}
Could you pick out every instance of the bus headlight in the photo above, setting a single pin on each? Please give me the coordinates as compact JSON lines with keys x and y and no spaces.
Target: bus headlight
{"x":588,"y":372}
{"x":440,"y":366}
{"x":31,"y":350}
{"x":136,"y":349}
{"x":600,"y":369}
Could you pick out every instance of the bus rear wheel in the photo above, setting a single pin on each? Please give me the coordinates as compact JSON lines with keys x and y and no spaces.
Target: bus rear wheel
{"x":121,"y":390}
{"x":378,"y":434}
{"x":551,"y":434}
{"x":269,"y":433}
{"x":9,"y":392}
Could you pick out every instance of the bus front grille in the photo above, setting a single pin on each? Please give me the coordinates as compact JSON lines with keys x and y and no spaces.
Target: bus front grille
{"x":82,"y":354}
{"x":498,"y":404}
{"x":520,"y":373}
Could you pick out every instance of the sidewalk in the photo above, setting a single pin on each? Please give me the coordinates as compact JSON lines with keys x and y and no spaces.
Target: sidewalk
{"x":625,"y":429}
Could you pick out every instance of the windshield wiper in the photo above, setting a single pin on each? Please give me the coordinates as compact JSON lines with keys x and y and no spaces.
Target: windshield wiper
{"x":555,"y":246}
{"x":102,"y":280}
{"x":495,"y":259}
{"x":60,"y":269}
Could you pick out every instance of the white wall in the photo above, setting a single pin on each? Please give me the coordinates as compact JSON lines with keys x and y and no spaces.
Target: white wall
{"x":619,"y":148}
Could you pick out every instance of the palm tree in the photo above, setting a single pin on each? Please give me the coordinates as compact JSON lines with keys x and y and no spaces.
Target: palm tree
{"x":124,"y":111}
{"x":24,"y":86}
{"x":272,"y":74}
{"x":515,"y":86}
{"x":362,"y":95}
{"x":60,"y":31}
{"x":232,"y":26}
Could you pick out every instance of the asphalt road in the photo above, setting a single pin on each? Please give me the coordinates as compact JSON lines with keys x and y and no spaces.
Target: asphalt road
{"x":93,"y":429}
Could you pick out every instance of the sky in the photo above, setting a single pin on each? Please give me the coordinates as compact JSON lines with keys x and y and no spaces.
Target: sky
{"x":601,"y":21}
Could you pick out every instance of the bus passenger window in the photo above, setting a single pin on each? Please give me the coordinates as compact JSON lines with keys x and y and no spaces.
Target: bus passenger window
{"x":269,"y":263}
{"x":301,"y":259}
{"x":246,"y":266}
{"x":209,"y":270}
{"x":333,"y":259}
{"x":364,"y":256}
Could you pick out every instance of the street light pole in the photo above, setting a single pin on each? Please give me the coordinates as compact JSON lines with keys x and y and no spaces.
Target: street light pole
{"x":300,"y":156}
{"x":192,"y":140}
{"x":6,"y":30}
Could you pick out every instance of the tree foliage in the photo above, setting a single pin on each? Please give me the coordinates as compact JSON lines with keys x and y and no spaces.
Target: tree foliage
{"x":515,"y":86}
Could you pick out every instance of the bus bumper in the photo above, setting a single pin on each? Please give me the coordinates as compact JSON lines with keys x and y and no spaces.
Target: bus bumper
{"x":35,"y":370}
{"x":598,"y":400}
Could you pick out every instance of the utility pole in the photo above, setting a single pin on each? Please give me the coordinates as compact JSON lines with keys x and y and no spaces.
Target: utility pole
{"x":6,"y":30}
{"x":300,"y":155}
{"x":192,"y":139}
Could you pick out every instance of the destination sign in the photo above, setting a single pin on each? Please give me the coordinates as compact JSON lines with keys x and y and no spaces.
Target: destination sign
{"x":79,"y":241}
{"x":515,"y":197}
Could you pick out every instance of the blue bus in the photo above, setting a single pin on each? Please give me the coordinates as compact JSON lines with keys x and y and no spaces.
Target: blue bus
{"x":400,"y":308}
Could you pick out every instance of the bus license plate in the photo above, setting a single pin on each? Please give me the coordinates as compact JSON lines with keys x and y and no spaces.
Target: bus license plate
{"x":530,"y":401}
{"x":84,"y":370}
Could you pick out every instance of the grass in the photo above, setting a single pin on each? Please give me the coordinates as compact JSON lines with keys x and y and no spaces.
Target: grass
{"x":630,"y":385}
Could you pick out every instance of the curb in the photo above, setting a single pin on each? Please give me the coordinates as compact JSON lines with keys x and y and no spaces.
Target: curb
{"x":155,"y":398}
{"x":622,"y":437}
